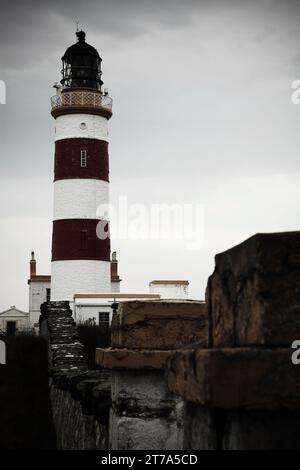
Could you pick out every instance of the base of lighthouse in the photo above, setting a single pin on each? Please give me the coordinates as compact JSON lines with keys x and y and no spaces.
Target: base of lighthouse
{"x":79,"y":277}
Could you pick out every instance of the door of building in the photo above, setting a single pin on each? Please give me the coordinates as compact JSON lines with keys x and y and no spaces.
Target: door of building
{"x":11,"y":327}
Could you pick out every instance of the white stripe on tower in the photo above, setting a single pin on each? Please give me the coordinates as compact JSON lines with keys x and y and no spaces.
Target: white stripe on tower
{"x":87,"y":126}
{"x":65,"y":274}
{"x":79,"y":198}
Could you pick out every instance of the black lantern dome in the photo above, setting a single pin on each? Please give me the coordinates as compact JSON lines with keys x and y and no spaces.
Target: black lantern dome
{"x":81,"y":65}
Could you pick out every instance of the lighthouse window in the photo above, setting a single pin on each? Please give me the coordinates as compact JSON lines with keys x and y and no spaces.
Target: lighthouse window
{"x":83,"y":239}
{"x":104,"y":319}
{"x":83,"y":159}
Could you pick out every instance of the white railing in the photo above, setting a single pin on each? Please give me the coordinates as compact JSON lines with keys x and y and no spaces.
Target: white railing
{"x":81,"y":98}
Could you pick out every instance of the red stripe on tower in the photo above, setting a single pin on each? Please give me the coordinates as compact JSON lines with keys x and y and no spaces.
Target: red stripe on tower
{"x":76,"y":239}
{"x":81,"y":158}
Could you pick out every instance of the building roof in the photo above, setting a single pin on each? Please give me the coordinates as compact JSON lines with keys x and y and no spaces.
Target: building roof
{"x":170,"y":282}
{"x":80,"y":49}
{"x":116,"y":296}
{"x":44,"y":278}
{"x":14,"y":312}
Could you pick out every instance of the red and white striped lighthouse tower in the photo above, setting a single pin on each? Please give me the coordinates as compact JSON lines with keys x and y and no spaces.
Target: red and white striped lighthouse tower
{"x":80,"y":260}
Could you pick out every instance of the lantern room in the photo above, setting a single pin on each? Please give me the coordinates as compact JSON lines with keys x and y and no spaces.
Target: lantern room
{"x":81,"y":65}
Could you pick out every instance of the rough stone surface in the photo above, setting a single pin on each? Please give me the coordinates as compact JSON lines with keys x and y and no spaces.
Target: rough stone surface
{"x":253,"y":296}
{"x":75,"y":430}
{"x":80,"y":397}
{"x":160,"y":325}
{"x":200,"y":428}
{"x":236,"y":377}
{"x":131,"y":359}
{"x":144,"y":434}
{"x":189,"y":375}
{"x":144,"y":414}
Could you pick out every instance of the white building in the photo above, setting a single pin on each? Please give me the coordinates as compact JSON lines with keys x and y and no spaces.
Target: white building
{"x":98,"y":308}
{"x":93,"y":307}
{"x":39,"y":292}
{"x":87,"y":305}
{"x":14,"y":320}
{"x":169,"y":289}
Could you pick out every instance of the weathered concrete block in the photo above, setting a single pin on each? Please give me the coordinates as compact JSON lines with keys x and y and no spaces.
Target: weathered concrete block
{"x":131,"y":359}
{"x":144,"y":415}
{"x":141,"y":393}
{"x":143,"y":434}
{"x":253,"y":296}
{"x":160,"y":325}
{"x":236,"y":377}
{"x":200,"y":428}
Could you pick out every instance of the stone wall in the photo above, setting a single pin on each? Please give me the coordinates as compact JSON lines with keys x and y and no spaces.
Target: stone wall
{"x":253,"y":296}
{"x":80,"y":397}
{"x":185,"y":374}
{"x":145,"y":414}
{"x":214,"y":375}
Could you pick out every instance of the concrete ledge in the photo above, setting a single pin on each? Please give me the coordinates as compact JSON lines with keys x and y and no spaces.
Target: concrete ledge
{"x":231,"y":378}
{"x":131,"y":359}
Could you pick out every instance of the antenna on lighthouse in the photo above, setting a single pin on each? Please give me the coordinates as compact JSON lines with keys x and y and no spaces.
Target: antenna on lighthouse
{"x":77,"y":26}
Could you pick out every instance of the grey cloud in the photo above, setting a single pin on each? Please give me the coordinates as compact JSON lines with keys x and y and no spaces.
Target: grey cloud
{"x":201,"y":95}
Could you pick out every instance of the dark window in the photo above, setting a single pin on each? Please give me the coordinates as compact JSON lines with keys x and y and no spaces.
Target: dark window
{"x":104,"y":319}
{"x":48,"y":295}
{"x":83,"y":239}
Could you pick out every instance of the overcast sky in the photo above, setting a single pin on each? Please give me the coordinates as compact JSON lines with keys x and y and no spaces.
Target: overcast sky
{"x":202,"y":115}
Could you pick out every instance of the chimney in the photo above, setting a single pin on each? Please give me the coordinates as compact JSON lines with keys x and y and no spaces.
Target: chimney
{"x":32,"y":266}
{"x":114,"y":268}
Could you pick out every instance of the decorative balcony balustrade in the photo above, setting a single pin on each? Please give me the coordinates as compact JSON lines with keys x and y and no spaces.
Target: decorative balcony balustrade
{"x":81,"y":99}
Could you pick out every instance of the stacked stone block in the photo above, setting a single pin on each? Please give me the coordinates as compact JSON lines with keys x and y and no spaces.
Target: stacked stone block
{"x":228,"y":360}
{"x":144,"y":413}
{"x":246,"y":380}
{"x":80,"y":397}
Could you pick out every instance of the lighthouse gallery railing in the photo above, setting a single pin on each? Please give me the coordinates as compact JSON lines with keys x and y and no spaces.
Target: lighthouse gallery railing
{"x":81,"y":98}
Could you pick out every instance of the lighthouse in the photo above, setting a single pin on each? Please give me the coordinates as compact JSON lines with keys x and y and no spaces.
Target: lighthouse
{"x":80,"y":259}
